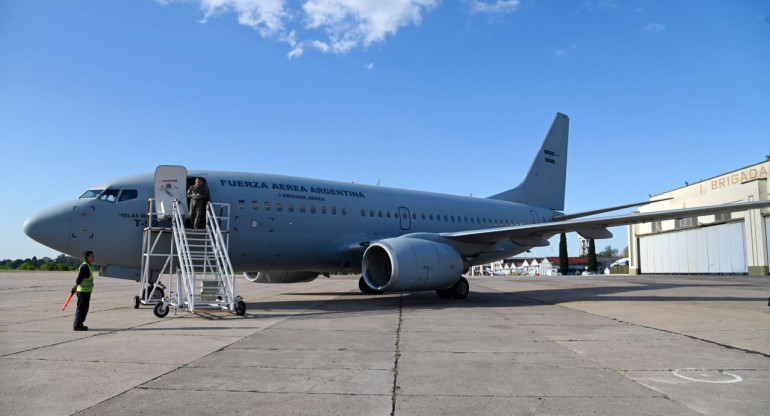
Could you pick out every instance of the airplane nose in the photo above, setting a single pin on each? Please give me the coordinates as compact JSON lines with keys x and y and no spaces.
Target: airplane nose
{"x":50,"y":227}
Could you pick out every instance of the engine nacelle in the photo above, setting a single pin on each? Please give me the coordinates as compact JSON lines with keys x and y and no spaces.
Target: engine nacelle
{"x":280,"y":277}
{"x":404,"y":264}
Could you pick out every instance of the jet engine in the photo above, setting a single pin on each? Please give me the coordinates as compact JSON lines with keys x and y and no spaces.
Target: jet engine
{"x":280,"y":277}
{"x":406,"y":264}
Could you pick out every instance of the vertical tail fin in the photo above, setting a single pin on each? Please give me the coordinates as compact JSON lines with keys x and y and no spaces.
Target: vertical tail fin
{"x":544,"y":184}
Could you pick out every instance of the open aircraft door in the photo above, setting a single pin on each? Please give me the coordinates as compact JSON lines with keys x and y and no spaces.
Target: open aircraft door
{"x":170,"y":182}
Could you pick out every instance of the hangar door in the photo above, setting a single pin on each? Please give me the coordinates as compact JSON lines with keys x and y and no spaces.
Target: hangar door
{"x":720,"y":249}
{"x":767,"y":236}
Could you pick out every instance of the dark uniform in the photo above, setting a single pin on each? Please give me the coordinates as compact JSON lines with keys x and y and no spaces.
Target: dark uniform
{"x":84,"y":287}
{"x":199,"y":197}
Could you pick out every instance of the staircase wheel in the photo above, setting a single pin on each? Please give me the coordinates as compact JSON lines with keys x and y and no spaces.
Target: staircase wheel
{"x":160,"y":310}
{"x":240,"y":308}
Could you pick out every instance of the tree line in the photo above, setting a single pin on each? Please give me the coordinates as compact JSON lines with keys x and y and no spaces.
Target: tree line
{"x":61,"y":263}
{"x":592,"y":254}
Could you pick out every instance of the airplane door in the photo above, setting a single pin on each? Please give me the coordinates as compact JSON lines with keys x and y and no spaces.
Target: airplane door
{"x":170,"y":184}
{"x":403,"y":217}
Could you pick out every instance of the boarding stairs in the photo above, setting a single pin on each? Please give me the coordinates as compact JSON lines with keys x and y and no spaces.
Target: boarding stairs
{"x":196,"y":266}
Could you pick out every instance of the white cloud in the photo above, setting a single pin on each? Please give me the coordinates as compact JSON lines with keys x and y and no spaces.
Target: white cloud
{"x":654,"y":28}
{"x":350,"y":23}
{"x":560,"y":52}
{"x":498,"y":7}
{"x":369,"y":66}
{"x":330,"y":26}
{"x":265,"y":16}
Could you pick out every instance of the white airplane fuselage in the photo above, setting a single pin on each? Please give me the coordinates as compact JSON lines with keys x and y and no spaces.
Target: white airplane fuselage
{"x":280,"y":222}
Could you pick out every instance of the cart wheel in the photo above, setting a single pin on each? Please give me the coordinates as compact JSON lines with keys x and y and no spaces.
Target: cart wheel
{"x":136,"y":302}
{"x":240,"y":308}
{"x":160,"y":310}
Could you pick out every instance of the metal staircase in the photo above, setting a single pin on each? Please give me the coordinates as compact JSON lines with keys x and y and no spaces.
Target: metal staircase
{"x":197,"y":265}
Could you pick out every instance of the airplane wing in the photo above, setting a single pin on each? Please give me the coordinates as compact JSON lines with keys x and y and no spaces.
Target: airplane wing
{"x":537,"y":235}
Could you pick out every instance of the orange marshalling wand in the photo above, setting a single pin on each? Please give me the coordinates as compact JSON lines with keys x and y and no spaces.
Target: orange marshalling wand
{"x":67,"y":302}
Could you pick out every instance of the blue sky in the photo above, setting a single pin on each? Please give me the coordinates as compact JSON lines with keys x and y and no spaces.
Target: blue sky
{"x":445,"y":96}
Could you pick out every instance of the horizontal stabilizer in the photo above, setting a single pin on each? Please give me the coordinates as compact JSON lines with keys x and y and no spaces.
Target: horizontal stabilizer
{"x":603,"y":210}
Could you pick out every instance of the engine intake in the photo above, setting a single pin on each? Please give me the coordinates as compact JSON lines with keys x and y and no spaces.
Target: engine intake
{"x":405,"y":264}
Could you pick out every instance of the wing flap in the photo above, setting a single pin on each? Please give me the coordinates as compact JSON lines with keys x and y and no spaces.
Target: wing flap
{"x":595,"y":233}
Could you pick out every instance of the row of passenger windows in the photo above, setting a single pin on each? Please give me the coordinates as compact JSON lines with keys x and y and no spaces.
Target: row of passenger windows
{"x":312,"y":208}
{"x":437,"y":217}
{"x":323,"y":209}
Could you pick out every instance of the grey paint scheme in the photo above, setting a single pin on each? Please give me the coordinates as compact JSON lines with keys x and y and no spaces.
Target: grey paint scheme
{"x":275,"y":240}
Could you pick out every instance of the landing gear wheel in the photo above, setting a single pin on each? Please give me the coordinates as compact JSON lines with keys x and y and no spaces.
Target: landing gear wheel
{"x":136,"y":302}
{"x":460,"y":289}
{"x":443,"y":293}
{"x":157,"y":296}
{"x":365,"y":289}
{"x":160,"y":310}
{"x":240,"y":308}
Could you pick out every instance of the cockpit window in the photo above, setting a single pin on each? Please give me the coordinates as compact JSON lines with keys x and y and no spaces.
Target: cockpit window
{"x":109,"y":195}
{"x":128,"y":194}
{"x":91,"y":193}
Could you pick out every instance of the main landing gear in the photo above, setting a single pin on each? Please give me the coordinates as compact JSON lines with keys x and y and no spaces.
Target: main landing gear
{"x":365,"y":289}
{"x":459,"y":291}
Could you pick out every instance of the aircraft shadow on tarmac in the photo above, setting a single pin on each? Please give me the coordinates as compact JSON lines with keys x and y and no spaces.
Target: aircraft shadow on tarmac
{"x":353,"y":302}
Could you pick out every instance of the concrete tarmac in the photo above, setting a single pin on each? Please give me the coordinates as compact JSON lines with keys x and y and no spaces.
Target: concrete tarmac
{"x":609,"y":345}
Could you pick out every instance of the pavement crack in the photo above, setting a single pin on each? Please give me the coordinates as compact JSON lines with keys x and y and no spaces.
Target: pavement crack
{"x":396,"y":388}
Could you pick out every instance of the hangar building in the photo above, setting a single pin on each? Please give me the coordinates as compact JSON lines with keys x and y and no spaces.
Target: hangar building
{"x":736,"y":243}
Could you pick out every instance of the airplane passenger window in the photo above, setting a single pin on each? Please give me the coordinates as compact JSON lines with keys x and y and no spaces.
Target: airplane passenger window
{"x":387,"y":213}
{"x":128,"y":194}
{"x":371,"y":212}
{"x":431,"y":217}
{"x":290,"y":207}
{"x":344,"y":211}
{"x":241,"y":204}
{"x":334,"y":210}
{"x":312,"y":209}
{"x":414,"y":216}
{"x":379,"y":213}
{"x":254,"y":204}
{"x":109,"y":195}
{"x":422,"y":216}
{"x":91,"y":193}
{"x":323,"y":209}
{"x":446,"y":218}
{"x":363,"y":212}
{"x":279,"y":206}
{"x":302,"y":208}
{"x":267,"y":206}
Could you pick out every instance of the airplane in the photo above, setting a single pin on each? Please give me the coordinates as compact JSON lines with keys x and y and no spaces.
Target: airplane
{"x":289,"y":229}
{"x":491,"y":272}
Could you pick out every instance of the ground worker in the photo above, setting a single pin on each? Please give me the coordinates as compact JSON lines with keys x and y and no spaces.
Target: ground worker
{"x":84,"y":285}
